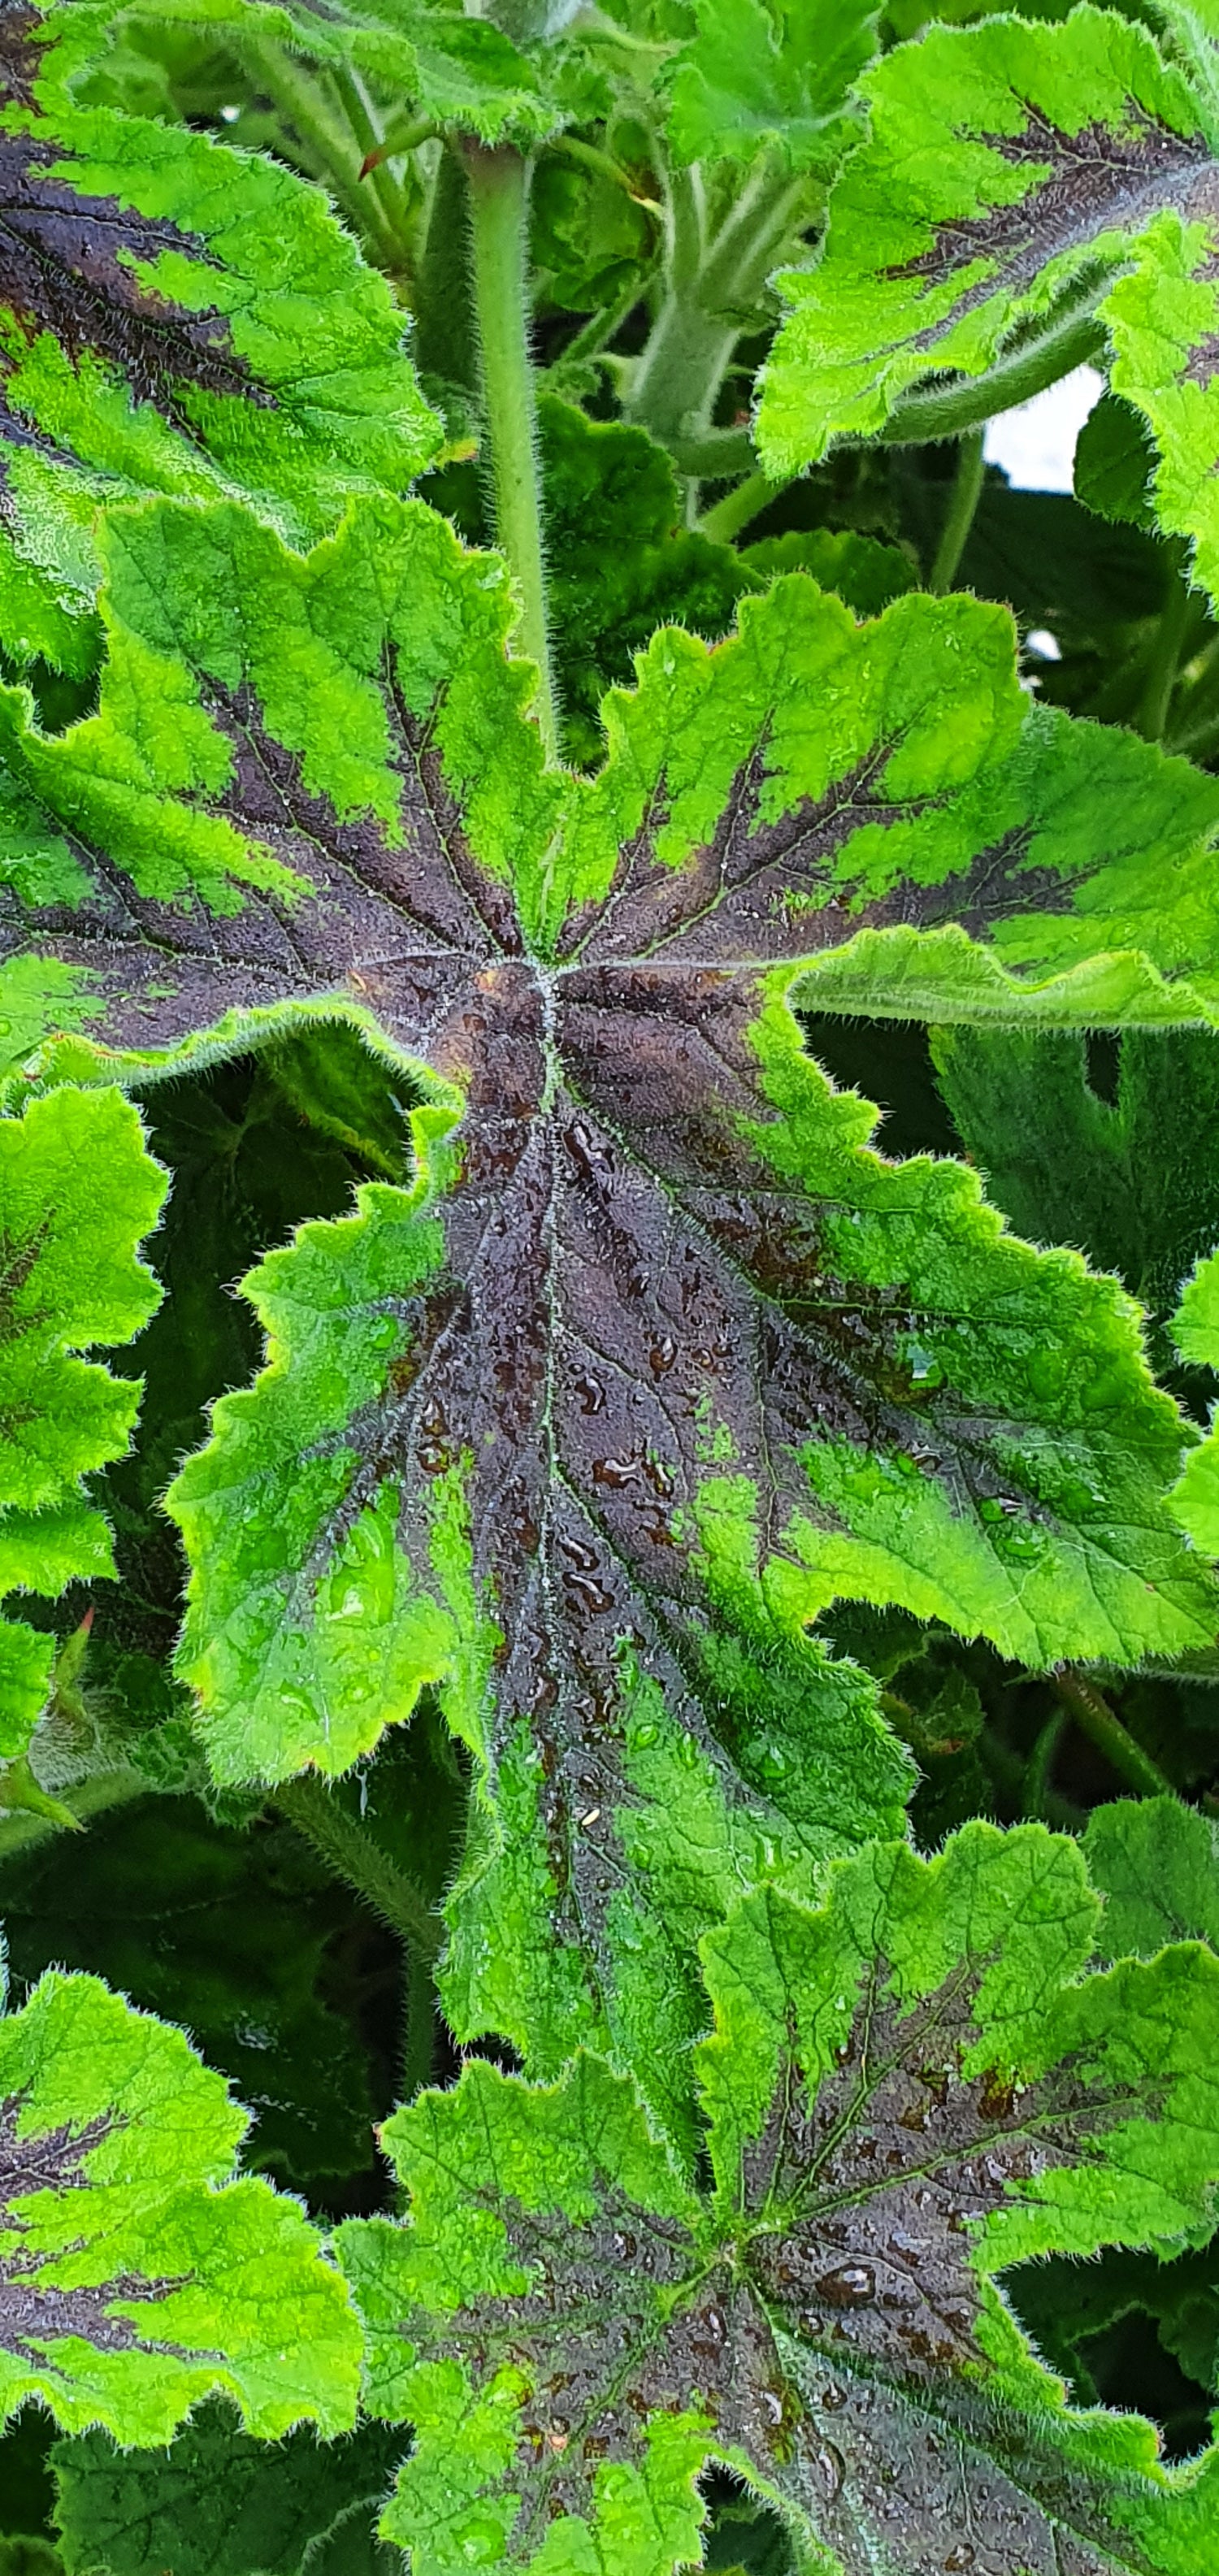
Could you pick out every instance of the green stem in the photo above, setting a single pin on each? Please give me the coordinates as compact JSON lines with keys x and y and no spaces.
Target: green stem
{"x":347,"y":1847}
{"x":1037,"y":1794}
{"x":1070,"y":337}
{"x":1092,"y":1713}
{"x":677,"y":378}
{"x":499,"y":196}
{"x":363,"y":124}
{"x":595,"y":335}
{"x":1166,"y":652}
{"x":419,"y":2038}
{"x":962,"y":503}
{"x":738,"y":508}
{"x":604,"y":166}
{"x":326,"y":140}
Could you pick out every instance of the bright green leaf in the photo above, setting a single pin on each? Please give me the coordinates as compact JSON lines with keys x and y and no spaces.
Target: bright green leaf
{"x":77,"y":1194}
{"x":1195,"y":1330}
{"x":136,"y":2275}
{"x":775,"y":74}
{"x":1008,"y":163}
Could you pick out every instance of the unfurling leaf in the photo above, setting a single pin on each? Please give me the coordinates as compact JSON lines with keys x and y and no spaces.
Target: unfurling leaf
{"x":769,"y":74}
{"x":907,"y":2092}
{"x":77,"y":1195}
{"x":136,"y":2275}
{"x":1008,"y":166}
{"x":655,"y":1357}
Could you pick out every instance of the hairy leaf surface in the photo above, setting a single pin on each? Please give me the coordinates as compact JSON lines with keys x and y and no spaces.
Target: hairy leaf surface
{"x":136,"y":2276}
{"x":77,"y":1195}
{"x":907,"y":2092}
{"x":174,"y":316}
{"x":1156,"y":1863}
{"x":655,"y":1356}
{"x":1006,"y":164}
{"x":1134,"y":1181}
{"x":221,"y":2504}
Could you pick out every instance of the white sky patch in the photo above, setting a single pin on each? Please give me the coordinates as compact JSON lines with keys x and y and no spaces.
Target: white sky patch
{"x":1035,"y":445}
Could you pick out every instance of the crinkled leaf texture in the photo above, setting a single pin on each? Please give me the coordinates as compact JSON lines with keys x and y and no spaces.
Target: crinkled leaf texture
{"x":174,"y":316}
{"x":906,"y":2092}
{"x":222,"y":2504}
{"x":769,"y":75}
{"x":1007,"y":164}
{"x":655,"y":1357}
{"x":77,"y":1195}
{"x":136,"y":2275}
{"x":1156,"y":1863}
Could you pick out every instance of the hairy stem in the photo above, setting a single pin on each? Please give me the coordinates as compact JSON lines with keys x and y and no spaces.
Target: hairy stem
{"x":499,"y":196}
{"x":1172,"y":627}
{"x":326,"y":139}
{"x":738,"y":508}
{"x":963,"y":500}
{"x":355,"y":1855}
{"x":1070,"y":337}
{"x":710,"y":277}
{"x":1092,"y":1713}
{"x":357,"y":109}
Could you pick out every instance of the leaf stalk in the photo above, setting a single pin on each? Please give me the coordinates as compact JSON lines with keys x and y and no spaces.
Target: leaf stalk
{"x":499,"y":200}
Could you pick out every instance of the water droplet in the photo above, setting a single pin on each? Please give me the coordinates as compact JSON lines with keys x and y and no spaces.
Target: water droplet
{"x":616,"y":1472}
{"x":662,"y":1355}
{"x":829,"y":2469}
{"x":960,"y":2558}
{"x":482,"y":2540}
{"x":590,"y":1394}
{"x":853,"y":2285}
{"x":591,"y":1596}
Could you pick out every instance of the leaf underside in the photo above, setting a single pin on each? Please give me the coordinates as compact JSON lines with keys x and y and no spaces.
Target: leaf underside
{"x":906,"y":2093}
{"x":655,"y":1357}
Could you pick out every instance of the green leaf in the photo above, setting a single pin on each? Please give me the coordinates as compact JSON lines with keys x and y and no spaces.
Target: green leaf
{"x":433,"y":62}
{"x":227,"y":1933}
{"x":768,"y":75}
{"x":77,"y":1194}
{"x":1156,"y":1863}
{"x":862,"y":571}
{"x":136,"y":2275}
{"x":1134,"y":1181}
{"x":1195,"y":1330}
{"x":907,"y":2092}
{"x":1114,"y":463}
{"x":1007,"y":164}
{"x":655,"y":1357}
{"x":174,"y":316}
{"x":220,"y":2504}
